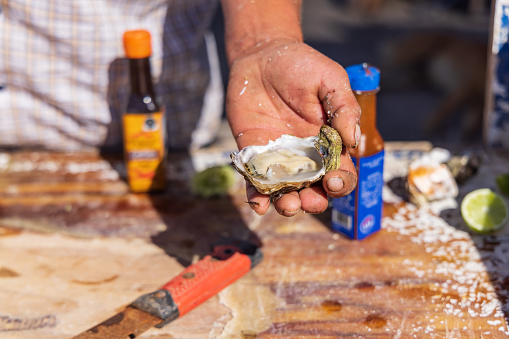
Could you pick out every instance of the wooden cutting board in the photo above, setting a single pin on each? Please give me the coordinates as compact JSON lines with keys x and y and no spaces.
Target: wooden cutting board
{"x":75,"y":247}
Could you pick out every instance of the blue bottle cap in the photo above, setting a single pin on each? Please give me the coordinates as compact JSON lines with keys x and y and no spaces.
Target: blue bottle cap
{"x":363,"y":77}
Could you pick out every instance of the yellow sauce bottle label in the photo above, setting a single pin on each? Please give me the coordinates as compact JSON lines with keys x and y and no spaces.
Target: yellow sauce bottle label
{"x":144,"y":151}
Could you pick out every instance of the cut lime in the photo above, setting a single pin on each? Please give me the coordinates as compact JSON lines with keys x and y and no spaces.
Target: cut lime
{"x":213,"y":181}
{"x":484,"y":211}
{"x":503,"y":183}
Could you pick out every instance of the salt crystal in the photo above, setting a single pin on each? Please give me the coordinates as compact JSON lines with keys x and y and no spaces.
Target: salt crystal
{"x":489,"y":308}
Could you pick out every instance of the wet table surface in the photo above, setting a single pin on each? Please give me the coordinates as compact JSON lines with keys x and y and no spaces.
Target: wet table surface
{"x":76,"y":247}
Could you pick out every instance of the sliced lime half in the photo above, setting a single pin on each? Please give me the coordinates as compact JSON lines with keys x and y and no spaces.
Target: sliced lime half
{"x":484,"y":211}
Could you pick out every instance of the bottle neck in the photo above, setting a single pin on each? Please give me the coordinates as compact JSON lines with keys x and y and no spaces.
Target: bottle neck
{"x":140,"y":77}
{"x":367,"y":102}
{"x":371,"y":141}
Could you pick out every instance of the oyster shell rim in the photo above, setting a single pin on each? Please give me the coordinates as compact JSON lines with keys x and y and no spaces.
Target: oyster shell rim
{"x":284,"y":186}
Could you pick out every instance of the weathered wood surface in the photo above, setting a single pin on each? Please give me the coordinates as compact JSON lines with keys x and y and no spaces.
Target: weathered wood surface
{"x":75,"y":247}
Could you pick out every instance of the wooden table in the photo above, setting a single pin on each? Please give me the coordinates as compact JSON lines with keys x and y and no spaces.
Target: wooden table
{"x":75,"y":247}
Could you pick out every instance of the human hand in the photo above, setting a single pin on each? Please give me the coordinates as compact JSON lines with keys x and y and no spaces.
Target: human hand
{"x":286,"y":87}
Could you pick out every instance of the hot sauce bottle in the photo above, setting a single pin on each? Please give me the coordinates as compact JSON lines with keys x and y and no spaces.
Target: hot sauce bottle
{"x":359,"y":214}
{"x":143,"y":121}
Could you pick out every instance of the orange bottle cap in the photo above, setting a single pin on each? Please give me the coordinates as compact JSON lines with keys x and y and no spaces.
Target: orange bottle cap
{"x":137,"y":44}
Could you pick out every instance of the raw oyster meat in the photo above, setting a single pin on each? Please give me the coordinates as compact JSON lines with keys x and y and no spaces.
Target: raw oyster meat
{"x":289,"y":163}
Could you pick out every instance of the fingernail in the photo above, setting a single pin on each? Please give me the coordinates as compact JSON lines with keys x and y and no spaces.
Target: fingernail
{"x":357,"y":135}
{"x":254,"y":200}
{"x":253,"y":204}
{"x":289,"y":213}
{"x":256,"y":204}
{"x":335,"y":184}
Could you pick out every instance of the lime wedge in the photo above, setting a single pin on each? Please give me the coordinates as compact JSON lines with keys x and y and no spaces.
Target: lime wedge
{"x":213,"y":181}
{"x":503,"y":183}
{"x":484,"y":211}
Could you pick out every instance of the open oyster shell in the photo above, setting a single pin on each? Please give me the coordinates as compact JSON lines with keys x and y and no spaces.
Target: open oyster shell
{"x":429,"y":179}
{"x":289,"y":163}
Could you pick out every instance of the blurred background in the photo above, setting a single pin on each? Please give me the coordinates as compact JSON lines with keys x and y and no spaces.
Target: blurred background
{"x":432,"y":55}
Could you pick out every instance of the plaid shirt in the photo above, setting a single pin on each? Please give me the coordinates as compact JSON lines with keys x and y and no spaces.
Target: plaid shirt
{"x":64,"y":79}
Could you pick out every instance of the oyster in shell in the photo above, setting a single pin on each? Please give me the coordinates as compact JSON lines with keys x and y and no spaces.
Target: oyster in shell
{"x":289,"y":163}
{"x":429,"y":179}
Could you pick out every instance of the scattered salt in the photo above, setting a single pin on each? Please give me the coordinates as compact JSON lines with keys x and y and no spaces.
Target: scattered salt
{"x":457,"y":255}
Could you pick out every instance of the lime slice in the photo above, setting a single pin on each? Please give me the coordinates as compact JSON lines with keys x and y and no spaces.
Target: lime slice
{"x":503,"y":183}
{"x":213,"y":181}
{"x":484,"y":211}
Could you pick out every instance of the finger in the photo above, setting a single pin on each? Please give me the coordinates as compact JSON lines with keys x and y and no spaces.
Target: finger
{"x":340,"y":105}
{"x":342,"y":181}
{"x":258,"y":202}
{"x":339,"y":183}
{"x":288,"y":204}
{"x":313,"y":199}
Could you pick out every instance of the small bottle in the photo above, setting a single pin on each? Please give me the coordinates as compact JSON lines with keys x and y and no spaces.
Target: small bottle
{"x":359,"y":214}
{"x":143,"y":122}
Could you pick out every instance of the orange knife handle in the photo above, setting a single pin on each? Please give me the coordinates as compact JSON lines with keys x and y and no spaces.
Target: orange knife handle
{"x":206,"y":278}
{"x":197,"y":283}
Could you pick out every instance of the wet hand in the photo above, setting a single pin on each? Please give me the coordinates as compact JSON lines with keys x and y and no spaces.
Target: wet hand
{"x":287,"y":87}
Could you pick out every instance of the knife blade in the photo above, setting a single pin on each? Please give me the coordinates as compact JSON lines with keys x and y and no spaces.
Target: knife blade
{"x":229,"y":261}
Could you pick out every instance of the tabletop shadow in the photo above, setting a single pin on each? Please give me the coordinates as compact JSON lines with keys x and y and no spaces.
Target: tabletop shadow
{"x":194,"y":224}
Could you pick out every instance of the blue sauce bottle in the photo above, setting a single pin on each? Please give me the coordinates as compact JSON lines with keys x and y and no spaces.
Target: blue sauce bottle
{"x":360,"y":213}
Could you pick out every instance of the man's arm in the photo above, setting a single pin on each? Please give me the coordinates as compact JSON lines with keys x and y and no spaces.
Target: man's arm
{"x":279,"y":85}
{"x":249,"y":23}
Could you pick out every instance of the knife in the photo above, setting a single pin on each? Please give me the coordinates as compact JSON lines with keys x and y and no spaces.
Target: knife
{"x":228,"y":261}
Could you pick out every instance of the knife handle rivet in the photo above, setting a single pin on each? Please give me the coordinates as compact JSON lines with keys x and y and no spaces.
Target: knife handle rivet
{"x":160,"y":294}
{"x":188,"y":275}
